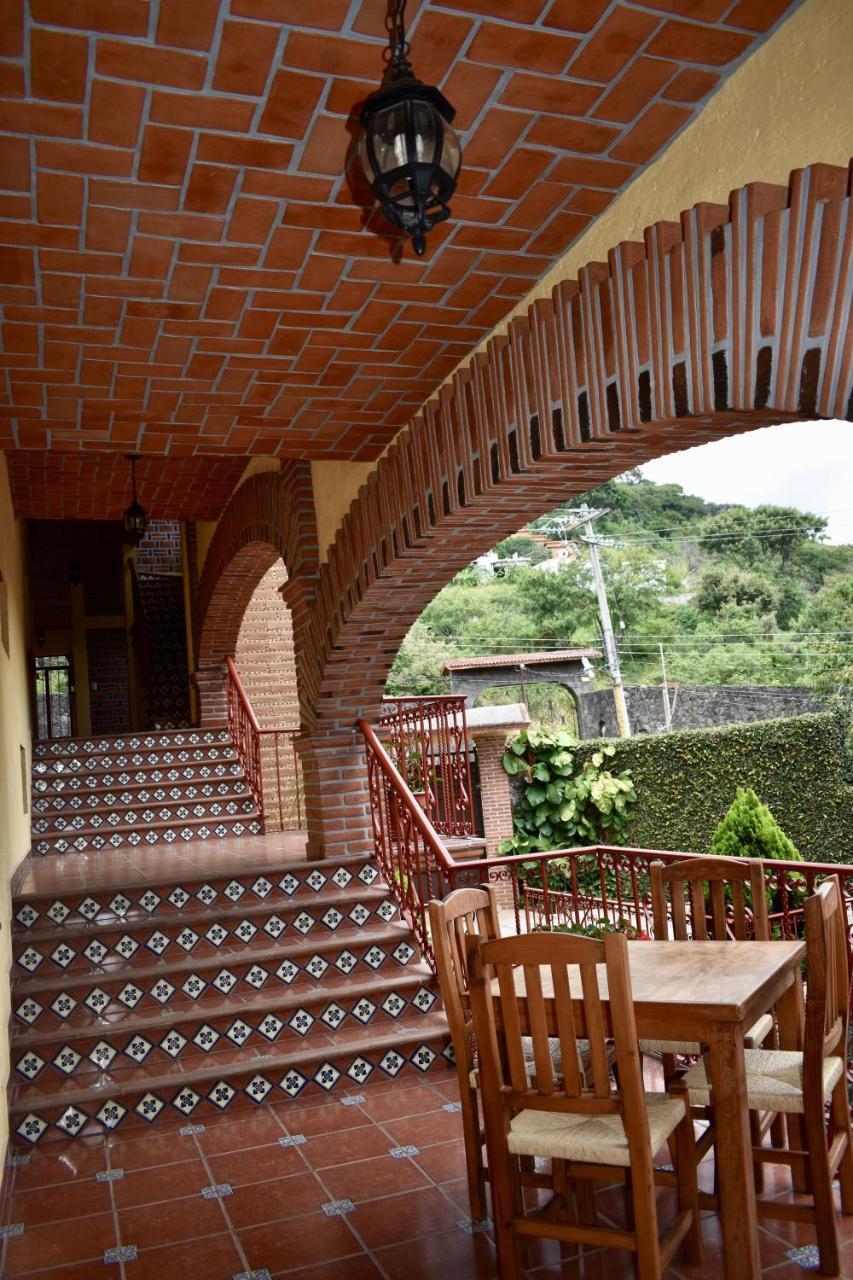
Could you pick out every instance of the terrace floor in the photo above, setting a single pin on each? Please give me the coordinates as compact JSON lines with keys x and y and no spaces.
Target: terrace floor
{"x":370,"y":1185}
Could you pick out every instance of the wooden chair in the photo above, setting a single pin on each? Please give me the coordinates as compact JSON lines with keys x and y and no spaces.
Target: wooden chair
{"x":687,"y":881}
{"x":461,"y":914}
{"x":587,"y":1124}
{"x":464,"y":912}
{"x":807,"y":1084}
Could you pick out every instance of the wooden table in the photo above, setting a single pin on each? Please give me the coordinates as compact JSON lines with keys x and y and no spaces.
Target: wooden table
{"x":713,"y":992}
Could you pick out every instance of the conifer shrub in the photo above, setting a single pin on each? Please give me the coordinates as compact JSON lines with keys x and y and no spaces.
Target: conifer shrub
{"x":749,"y":830}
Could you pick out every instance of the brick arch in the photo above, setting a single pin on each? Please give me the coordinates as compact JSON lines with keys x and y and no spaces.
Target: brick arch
{"x":735,"y":317}
{"x":269,"y":517}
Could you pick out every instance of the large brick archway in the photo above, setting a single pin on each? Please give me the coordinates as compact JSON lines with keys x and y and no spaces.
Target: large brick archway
{"x":736,"y":317}
{"x":269,"y":517}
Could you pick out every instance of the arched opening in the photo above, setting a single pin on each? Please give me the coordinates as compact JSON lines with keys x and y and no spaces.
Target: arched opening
{"x":548,"y":703}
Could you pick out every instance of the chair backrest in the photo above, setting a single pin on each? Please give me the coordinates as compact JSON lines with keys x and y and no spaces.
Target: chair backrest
{"x":547,"y":985}
{"x":827,"y":985}
{"x":452,"y":920}
{"x":698,"y":896}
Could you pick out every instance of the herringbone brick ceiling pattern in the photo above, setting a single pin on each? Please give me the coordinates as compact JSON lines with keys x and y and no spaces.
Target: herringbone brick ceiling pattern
{"x":189,"y":267}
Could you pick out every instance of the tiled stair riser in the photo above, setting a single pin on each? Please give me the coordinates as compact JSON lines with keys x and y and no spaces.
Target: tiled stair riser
{"x":149,"y":789}
{"x":334,"y":998}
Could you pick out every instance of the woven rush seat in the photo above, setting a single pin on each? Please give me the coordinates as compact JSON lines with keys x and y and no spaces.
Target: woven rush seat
{"x":755,"y":1036}
{"x":774,"y":1080}
{"x":593,"y":1139}
{"x":584,"y":1060}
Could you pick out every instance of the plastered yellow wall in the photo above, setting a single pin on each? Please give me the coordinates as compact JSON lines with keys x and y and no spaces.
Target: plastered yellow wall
{"x":14,"y":734}
{"x":789,"y":105}
{"x":336,"y":486}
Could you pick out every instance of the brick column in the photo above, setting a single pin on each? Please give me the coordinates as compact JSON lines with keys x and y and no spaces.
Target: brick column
{"x":337,"y":804}
{"x":495,"y":794}
{"x":212,"y":702}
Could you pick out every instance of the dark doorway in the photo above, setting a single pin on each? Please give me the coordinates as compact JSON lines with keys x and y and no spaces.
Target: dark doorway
{"x":54,"y":697}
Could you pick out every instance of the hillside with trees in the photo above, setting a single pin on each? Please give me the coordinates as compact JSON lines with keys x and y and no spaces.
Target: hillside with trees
{"x":735,"y":595}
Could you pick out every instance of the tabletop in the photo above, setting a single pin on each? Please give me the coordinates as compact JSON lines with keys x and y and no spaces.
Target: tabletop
{"x":711,"y":981}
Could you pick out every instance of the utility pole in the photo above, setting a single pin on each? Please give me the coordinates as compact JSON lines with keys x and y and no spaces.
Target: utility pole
{"x":667,"y":709}
{"x":611,"y":653}
{"x":582,"y":518}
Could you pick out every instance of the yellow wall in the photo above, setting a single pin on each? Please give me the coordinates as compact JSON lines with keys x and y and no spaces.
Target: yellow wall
{"x":14,"y":734}
{"x":336,"y":486}
{"x":789,"y":105}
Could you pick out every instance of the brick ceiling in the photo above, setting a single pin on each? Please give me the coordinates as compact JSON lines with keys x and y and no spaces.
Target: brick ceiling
{"x":96,"y":486}
{"x":184,"y":267}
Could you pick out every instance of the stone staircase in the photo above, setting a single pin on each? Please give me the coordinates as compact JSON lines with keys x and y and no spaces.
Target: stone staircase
{"x":154,"y":788}
{"x":167,"y":997}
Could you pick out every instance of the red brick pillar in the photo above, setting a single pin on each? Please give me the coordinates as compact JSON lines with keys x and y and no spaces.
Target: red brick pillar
{"x":336,"y":800}
{"x":495,"y":798}
{"x":212,"y":702}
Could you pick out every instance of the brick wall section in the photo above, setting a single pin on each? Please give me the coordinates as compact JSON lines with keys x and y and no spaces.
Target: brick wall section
{"x":733,"y":318}
{"x":160,"y":549}
{"x":107,"y":656}
{"x":265,"y":655}
{"x":495,"y":795}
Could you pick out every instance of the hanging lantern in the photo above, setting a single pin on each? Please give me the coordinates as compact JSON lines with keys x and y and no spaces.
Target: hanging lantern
{"x":409,"y":153}
{"x":134,"y":519}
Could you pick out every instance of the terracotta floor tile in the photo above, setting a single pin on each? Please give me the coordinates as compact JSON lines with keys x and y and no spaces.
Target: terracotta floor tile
{"x":56,"y":1203}
{"x":368,"y":1179}
{"x":440,"y":1255}
{"x":234,"y":1133}
{"x":71,"y":1271}
{"x":256,"y":1164}
{"x":40,"y":1248}
{"x":280,"y":1198}
{"x":169,"y":1222}
{"x":443,"y":1162}
{"x":356,"y":1268}
{"x":398,"y":1218}
{"x":152,"y":1186}
{"x":214,"y":1257}
{"x":326,"y":1149}
{"x":425,"y":1131}
{"x":149,"y":1150}
{"x":408,"y":1102}
{"x":304,"y":1241}
{"x":61,"y":1162}
{"x":329,"y":1117}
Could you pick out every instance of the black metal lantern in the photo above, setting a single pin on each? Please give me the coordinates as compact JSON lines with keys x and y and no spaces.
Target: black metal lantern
{"x":134,"y":518}
{"x":409,"y":153}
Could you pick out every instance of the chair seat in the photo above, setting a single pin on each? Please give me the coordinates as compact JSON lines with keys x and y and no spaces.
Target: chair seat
{"x":774,"y":1080}
{"x":560,"y":1135}
{"x":756,"y":1035}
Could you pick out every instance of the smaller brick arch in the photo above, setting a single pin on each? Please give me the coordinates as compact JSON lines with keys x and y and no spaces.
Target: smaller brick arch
{"x":269,"y":517}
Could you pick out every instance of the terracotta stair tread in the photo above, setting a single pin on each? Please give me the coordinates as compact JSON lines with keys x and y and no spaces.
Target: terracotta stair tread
{"x":339,"y":940}
{"x":339,"y":989}
{"x":162,"y":824}
{"x":128,"y":879}
{"x":277,"y":902}
{"x":430,"y":1027}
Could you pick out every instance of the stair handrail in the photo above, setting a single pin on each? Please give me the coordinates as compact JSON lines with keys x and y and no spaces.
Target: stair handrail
{"x":409,"y":850}
{"x":245,"y":731}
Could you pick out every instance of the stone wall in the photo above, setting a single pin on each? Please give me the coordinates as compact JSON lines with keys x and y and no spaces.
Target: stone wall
{"x":694,"y":707}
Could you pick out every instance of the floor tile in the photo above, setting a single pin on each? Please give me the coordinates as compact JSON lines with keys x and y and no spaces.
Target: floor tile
{"x":439,"y":1255}
{"x":256,"y":1164}
{"x":152,"y":1186}
{"x":405,"y":1217}
{"x":327,"y":1149}
{"x":358,"y":1267}
{"x":424,"y":1131}
{"x":43,"y":1247}
{"x":57,"y":1203}
{"x":305,"y":1241}
{"x":173,"y":1221}
{"x":364,"y":1180}
{"x":275,"y":1200}
{"x":213,"y":1258}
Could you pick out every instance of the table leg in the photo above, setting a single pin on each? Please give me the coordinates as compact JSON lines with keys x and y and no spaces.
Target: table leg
{"x":734,"y":1152}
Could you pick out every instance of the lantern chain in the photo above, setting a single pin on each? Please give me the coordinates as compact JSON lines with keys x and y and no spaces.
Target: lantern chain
{"x":398,"y":45}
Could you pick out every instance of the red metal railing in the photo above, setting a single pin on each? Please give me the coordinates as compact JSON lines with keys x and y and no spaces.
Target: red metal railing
{"x":563,"y":886}
{"x":428,"y":741}
{"x":269,"y":757}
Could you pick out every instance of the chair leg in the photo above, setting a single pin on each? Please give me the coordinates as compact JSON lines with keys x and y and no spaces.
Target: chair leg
{"x":755,"y":1136}
{"x":473,"y":1155}
{"x":688,"y":1190}
{"x":824,"y":1207}
{"x":645,"y":1214}
{"x":841,"y":1123}
{"x":505,"y":1199}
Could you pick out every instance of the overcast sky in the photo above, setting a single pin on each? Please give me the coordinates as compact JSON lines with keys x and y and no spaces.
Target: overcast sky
{"x":808,"y":465}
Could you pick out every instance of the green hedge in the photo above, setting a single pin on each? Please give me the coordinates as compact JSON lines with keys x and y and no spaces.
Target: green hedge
{"x":686,"y":781}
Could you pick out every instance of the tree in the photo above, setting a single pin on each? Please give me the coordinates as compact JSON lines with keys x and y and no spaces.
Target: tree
{"x":747,"y":535}
{"x":829,"y":651}
{"x":749,"y":830}
{"x":722,"y":585}
{"x":526,"y":548}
